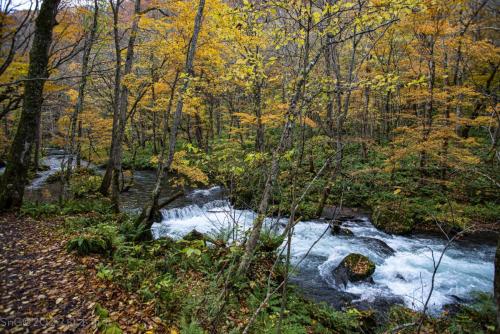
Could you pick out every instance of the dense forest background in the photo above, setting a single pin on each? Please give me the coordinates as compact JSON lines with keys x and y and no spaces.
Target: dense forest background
{"x":294,"y":107}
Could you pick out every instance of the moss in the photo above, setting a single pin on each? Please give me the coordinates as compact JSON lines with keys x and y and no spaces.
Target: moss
{"x":392,"y":217}
{"x":358,"y":266}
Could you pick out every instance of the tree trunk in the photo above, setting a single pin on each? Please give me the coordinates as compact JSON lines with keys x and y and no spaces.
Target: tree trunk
{"x":106,"y":180}
{"x":15,"y":176}
{"x":151,"y":211}
{"x":121,"y":92}
{"x":75,"y":126}
{"x":259,"y":138}
{"x":274,"y":169}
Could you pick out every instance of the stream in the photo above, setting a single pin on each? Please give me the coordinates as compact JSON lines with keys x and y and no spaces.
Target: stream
{"x":404,"y":263}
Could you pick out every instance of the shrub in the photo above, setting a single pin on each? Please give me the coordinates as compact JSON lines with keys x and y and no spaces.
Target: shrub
{"x":37,"y":210}
{"x":85,"y":185}
{"x":100,"y":239}
{"x":90,"y":244}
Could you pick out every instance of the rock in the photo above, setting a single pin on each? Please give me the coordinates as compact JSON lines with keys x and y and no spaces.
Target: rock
{"x":459,"y":300}
{"x":345,"y":218}
{"x":336,"y":229}
{"x":194,"y":235}
{"x":379,"y":246}
{"x":399,"y":276}
{"x":353,"y":268}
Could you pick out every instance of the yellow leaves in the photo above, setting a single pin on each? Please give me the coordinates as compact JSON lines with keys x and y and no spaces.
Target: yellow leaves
{"x":309,"y":122}
{"x":245,"y":118}
{"x":316,"y":17}
{"x":73,"y":95}
{"x":161,"y":88}
{"x":154,"y":160}
{"x":273,"y":120}
{"x":479,"y":121}
{"x":182,"y":166}
{"x":131,"y":81}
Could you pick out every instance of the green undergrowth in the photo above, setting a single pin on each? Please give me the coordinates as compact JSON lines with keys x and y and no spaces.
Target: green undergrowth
{"x":477,"y":317}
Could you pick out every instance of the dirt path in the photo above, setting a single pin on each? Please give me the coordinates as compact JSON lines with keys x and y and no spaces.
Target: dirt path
{"x":43,"y":289}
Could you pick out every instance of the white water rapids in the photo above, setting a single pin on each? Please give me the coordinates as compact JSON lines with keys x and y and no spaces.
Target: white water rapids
{"x":405,"y":273}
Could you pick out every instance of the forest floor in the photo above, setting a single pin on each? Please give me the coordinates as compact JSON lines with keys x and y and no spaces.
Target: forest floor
{"x":44,"y":289}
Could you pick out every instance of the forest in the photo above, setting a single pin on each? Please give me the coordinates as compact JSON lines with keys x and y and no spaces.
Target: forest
{"x":246,"y":166}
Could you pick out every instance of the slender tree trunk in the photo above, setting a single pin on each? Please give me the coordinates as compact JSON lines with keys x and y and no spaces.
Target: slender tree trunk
{"x":123,"y":107}
{"x":198,"y":130}
{"x":121,"y":92}
{"x":106,"y":180}
{"x":429,"y":108}
{"x":75,"y":126}
{"x":274,"y":169}
{"x":151,"y":211}
{"x":364,"y":124}
{"x":15,"y":176}
{"x":79,"y":145}
{"x":259,"y":138}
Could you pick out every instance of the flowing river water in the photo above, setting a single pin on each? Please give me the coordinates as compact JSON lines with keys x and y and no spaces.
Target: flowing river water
{"x":404,"y":264}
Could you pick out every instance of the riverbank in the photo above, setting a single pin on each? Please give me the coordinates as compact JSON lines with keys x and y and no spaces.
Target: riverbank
{"x":45,"y":289}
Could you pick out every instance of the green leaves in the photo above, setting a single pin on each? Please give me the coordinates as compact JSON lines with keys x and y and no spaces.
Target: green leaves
{"x":190,"y":251}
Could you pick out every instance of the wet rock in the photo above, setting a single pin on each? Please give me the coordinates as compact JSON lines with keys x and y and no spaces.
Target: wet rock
{"x":336,"y":229}
{"x":380,"y":308}
{"x":353,"y":268}
{"x":451,"y":310}
{"x":379,"y":246}
{"x":458,"y":299}
{"x":313,"y":287}
{"x":399,"y":276}
{"x":194,"y":235}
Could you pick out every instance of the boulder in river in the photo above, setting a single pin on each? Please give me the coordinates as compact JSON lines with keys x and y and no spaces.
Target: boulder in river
{"x":353,"y":268}
{"x":379,"y":246}
{"x":336,"y":229}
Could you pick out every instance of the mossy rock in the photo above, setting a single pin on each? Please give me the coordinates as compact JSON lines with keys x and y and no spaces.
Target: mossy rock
{"x":194,"y":235}
{"x":393,"y":218}
{"x":353,"y":268}
{"x":336,"y":229}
